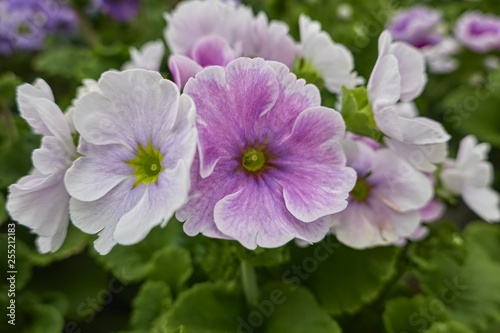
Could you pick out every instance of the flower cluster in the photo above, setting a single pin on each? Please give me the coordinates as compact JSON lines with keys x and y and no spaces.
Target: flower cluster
{"x":240,"y":146}
{"x":25,"y":23}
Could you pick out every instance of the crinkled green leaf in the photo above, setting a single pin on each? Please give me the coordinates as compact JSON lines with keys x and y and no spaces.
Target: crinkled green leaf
{"x":413,"y":315}
{"x":171,"y":265}
{"x":46,"y":319}
{"x":204,"y":308}
{"x":467,"y":288}
{"x":8,"y":83}
{"x":449,"y":327}
{"x":153,"y":299}
{"x":341,"y":278}
{"x":487,"y":237}
{"x":293,"y":311}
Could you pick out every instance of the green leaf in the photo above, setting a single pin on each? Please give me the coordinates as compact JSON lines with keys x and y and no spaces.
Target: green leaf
{"x":17,"y":254}
{"x":171,"y":265}
{"x":487,"y":237}
{"x":290,"y":311}
{"x":343,"y":279}
{"x":466,"y":287}
{"x":357,"y":112}
{"x":261,"y":257}
{"x":133,"y":263}
{"x":46,"y":319}
{"x":152,"y":300}
{"x":449,"y":327}
{"x":413,"y":315}
{"x":3,"y":211}
{"x":205,"y":308}
{"x":8,"y":83}
{"x":71,"y":62}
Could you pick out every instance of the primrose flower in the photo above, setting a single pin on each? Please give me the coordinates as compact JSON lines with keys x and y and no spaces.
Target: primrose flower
{"x":385,"y":202}
{"x":270,"y":163}
{"x":149,"y":56}
{"x":479,"y":32}
{"x":138,"y":140}
{"x":399,"y":75}
{"x":331,"y":61}
{"x":40,"y":200}
{"x":213,"y":32}
{"x":471,"y":176}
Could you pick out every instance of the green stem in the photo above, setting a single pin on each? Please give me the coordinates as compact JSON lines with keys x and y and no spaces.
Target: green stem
{"x":87,"y":30}
{"x":10,"y":127}
{"x":249,"y":281}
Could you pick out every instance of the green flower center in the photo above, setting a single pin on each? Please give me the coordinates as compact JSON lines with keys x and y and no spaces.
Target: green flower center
{"x":253,"y":160}
{"x":361,"y":190}
{"x":146,"y":164}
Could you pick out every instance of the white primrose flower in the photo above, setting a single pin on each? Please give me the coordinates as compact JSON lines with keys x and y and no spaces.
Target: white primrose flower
{"x":399,"y":75}
{"x":471,"y":175}
{"x":40,"y":200}
{"x":138,"y":141}
{"x":332,"y":61}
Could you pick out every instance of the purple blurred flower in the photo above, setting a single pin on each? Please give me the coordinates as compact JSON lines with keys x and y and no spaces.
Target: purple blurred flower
{"x":479,"y":32}
{"x":416,"y":26}
{"x":25,"y":23}
{"x":420,"y":27}
{"x":270,"y":163}
{"x":119,"y":10}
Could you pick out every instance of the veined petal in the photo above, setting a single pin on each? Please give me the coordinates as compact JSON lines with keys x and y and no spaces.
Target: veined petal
{"x":182,"y":69}
{"x":397,"y":184}
{"x":384,"y":86}
{"x":212,"y":50}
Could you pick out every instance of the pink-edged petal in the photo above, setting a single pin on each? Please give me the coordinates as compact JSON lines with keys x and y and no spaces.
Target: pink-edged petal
{"x":294,"y":97}
{"x":182,"y":69}
{"x":433,"y":211}
{"x":384,"y":86}
{"x":53,"y":155}
{"x":156,"y":207}
{"x":397,"y":184}
{"x":255,"y":215}
{"x":212,"y":50}
{"x":314,"y":179}
{"x":39,"y":202}
{"x":411,"y":65}
{"x":484,"y":201}
{"x":198,"y":211}
{"x":91,"y":177}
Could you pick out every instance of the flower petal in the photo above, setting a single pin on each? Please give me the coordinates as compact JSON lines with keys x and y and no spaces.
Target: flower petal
{"x":384,"y":86}
{"x":483,"y":201}
{"x":411,"y":65}
{"x":182,"y":69}
{"x":91,"y":177}
{"x":398,"y":184}
{"x":212,"y":50}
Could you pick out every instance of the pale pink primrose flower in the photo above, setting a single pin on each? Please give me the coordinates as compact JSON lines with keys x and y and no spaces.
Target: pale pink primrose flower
{"x":385,"y":202}
{"x":270,"y":167}
{"x":471,"y":176}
